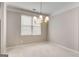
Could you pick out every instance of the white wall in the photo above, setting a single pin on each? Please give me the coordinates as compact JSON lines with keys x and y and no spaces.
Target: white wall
{"x":63,"y":28}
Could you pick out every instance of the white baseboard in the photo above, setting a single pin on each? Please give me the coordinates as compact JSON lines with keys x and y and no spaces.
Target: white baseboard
{"x":69,"y":49}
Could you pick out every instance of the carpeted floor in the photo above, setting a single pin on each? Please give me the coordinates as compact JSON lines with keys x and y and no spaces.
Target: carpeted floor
{"x":39,"y":50}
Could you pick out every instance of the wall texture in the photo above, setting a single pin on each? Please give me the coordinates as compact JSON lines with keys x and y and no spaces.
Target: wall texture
{"x":63,"y":29}
{"x":13,"y":31}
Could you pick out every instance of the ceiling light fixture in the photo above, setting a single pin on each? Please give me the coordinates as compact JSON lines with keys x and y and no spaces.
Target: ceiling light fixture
{"x":40,"y":18}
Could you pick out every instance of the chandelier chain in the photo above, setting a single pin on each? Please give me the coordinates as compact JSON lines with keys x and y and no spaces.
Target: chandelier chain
{"x":41,"y":7}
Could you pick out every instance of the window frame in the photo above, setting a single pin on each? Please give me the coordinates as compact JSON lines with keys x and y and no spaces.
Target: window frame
{"x":30,"y":26}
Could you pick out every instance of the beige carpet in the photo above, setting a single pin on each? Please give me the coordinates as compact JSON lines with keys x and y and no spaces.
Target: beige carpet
{"x":39,"y":50}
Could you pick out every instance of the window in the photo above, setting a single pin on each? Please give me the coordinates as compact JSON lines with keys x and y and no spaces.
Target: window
{"x":28,"y":27}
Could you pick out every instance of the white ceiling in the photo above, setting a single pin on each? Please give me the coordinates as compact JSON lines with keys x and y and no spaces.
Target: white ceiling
{"x":47,"y":7}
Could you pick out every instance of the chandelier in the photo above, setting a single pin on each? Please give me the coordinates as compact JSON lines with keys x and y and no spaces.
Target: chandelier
{"x":41,"y":18}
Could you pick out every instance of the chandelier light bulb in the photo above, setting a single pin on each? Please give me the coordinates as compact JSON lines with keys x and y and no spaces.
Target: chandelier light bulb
{"x":35,"y":19}
{"x":40,"y":17}
{"x":46,"y":19}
